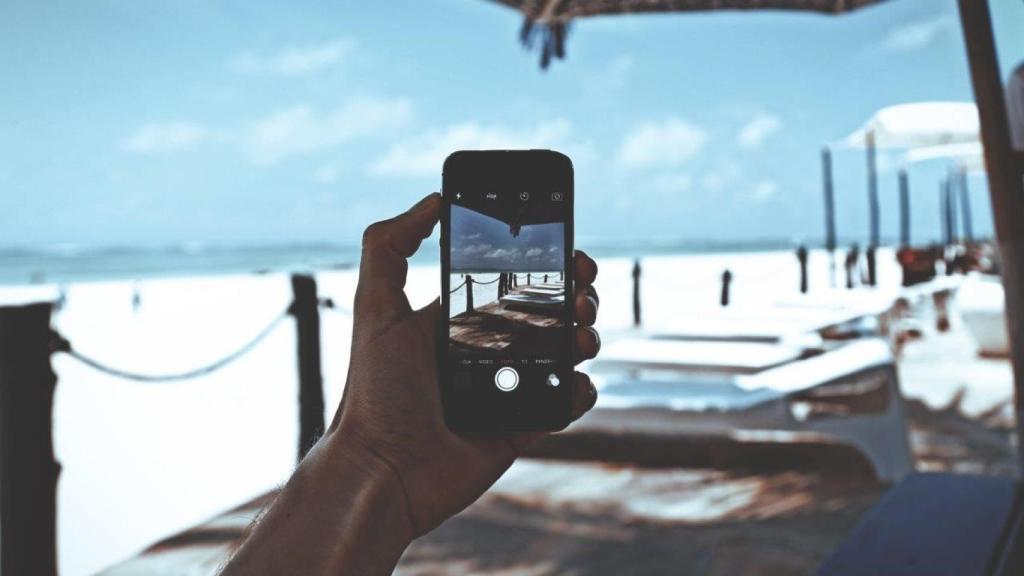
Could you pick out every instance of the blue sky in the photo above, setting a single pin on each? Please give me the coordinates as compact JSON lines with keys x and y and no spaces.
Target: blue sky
{"x":482,"y":243}
{"x":149,"y":123}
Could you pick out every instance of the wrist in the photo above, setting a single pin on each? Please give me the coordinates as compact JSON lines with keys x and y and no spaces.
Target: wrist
{"x":345,"y":452}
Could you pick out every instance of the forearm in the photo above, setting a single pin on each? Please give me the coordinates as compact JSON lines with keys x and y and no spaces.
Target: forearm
{"x":342,"y":512}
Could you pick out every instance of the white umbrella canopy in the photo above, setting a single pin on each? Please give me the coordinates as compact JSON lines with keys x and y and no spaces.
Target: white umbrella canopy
{"x":919,"y":124}
{"x":969,"y":156}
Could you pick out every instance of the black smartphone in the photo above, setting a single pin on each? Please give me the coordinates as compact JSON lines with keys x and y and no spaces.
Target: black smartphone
{"x":506,"y":337}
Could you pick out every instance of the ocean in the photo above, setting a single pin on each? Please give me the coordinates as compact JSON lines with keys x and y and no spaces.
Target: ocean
{"x":66,"y":263}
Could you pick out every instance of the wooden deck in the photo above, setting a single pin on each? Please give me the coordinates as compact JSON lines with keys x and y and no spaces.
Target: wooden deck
{"x":498,"y":327}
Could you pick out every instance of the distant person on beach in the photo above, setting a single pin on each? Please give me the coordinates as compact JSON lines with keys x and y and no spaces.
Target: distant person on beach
{"x":388,"y":470}
{"x":1015,"y":106}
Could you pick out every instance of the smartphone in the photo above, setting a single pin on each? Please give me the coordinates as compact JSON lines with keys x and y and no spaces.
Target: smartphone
{"x":506,"y":336}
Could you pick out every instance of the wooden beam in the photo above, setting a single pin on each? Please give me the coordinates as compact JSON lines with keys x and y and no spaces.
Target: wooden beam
{"x":1004,"y":181}
{"x":28,"y":470}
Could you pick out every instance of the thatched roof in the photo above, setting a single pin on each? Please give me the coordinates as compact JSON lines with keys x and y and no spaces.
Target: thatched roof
{"x":564,"y":10}
{"x":549,"y":20}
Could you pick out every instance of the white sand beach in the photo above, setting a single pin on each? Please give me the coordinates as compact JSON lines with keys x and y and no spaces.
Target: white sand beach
{"x":142,"y":461}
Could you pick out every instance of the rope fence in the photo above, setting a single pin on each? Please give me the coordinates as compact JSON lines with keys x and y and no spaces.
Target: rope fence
{"x":61,"y":344}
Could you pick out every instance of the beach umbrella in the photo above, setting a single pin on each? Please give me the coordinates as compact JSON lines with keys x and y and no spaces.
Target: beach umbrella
{"x":547,"y":21}
{"x":516,"y":210}
{"x":968,"y":156}
{"x":917,"y":125}
{"x":910,"y":125}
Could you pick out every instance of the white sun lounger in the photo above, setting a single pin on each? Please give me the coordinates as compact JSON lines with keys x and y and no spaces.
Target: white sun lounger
{"x":847,"y":395}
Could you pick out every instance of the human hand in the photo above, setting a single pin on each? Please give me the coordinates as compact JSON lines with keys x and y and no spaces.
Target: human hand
{"x":391,"y":414}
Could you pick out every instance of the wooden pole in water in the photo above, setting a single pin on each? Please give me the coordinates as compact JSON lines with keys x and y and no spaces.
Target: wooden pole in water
{"x":830,"y":210}
{"x":469,"y":293}
{"x":306,"y":310}
{"x":874,"y":209}
{"x":28,"y":470}
{"x":904,"y":180}
{"x":1005,"y":173}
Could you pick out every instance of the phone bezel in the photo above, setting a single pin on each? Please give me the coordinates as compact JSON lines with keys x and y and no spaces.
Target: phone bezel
{"x":472,"y":165}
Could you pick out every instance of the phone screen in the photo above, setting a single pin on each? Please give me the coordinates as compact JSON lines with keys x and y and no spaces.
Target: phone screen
{"x":507,"y":362}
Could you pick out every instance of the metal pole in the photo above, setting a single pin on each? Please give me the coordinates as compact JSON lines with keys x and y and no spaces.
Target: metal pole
{"x":1005,"y":171}
{"x":904,"y":209}
{"x":873,"y":205}
{"x":830,"y":210}
{"x":28,"y":470}
{"x":306,"y":310}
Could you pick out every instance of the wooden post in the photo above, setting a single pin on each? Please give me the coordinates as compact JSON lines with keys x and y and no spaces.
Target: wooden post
{"x":28,"y":470}
{"x":636,"y":292}
{"x":830,"y":211}
{"x":1005,"y":171}
{"x":954,"y":232}
{"x":501,"y":285}
{"x":801,"y":255}
{"x":469,"y":293}
{"x":306,"y":310}
{"x":874,"y":209}
{"x":965,"y":206}
{"x":947,"y":234}
{"x":545,"y":278}
{"x":904,"y":209}
{"x":529,"y":279}
{"x":726,"y":281}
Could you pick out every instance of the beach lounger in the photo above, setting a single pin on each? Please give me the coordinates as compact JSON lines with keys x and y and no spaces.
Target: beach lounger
{"x":751,"y":391}
{"x":533,"y":303}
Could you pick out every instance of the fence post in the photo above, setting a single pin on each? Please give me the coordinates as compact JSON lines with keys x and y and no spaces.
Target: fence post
{"x":726,"y":281}
{"x":306,"y":310}
{"x":28,"y":470}
{"x":636,"y":292}
{"x":469,"y":293}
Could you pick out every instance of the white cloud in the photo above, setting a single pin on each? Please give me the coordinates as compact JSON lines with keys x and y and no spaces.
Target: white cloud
{"x":504,"y":253}
{"x":760,"y":128}
{"x":165,"y":137}
{"x":532,"y":252}
{"x":294,"y":60}
{"x":918,"y":34}
{"x":668,"y":143}
{"x":302,"y":129}
{"x":764,"y":190}
{"x":424,"y":154}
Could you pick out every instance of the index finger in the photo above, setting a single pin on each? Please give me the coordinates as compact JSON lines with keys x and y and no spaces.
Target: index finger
{"x":383,"y":267}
